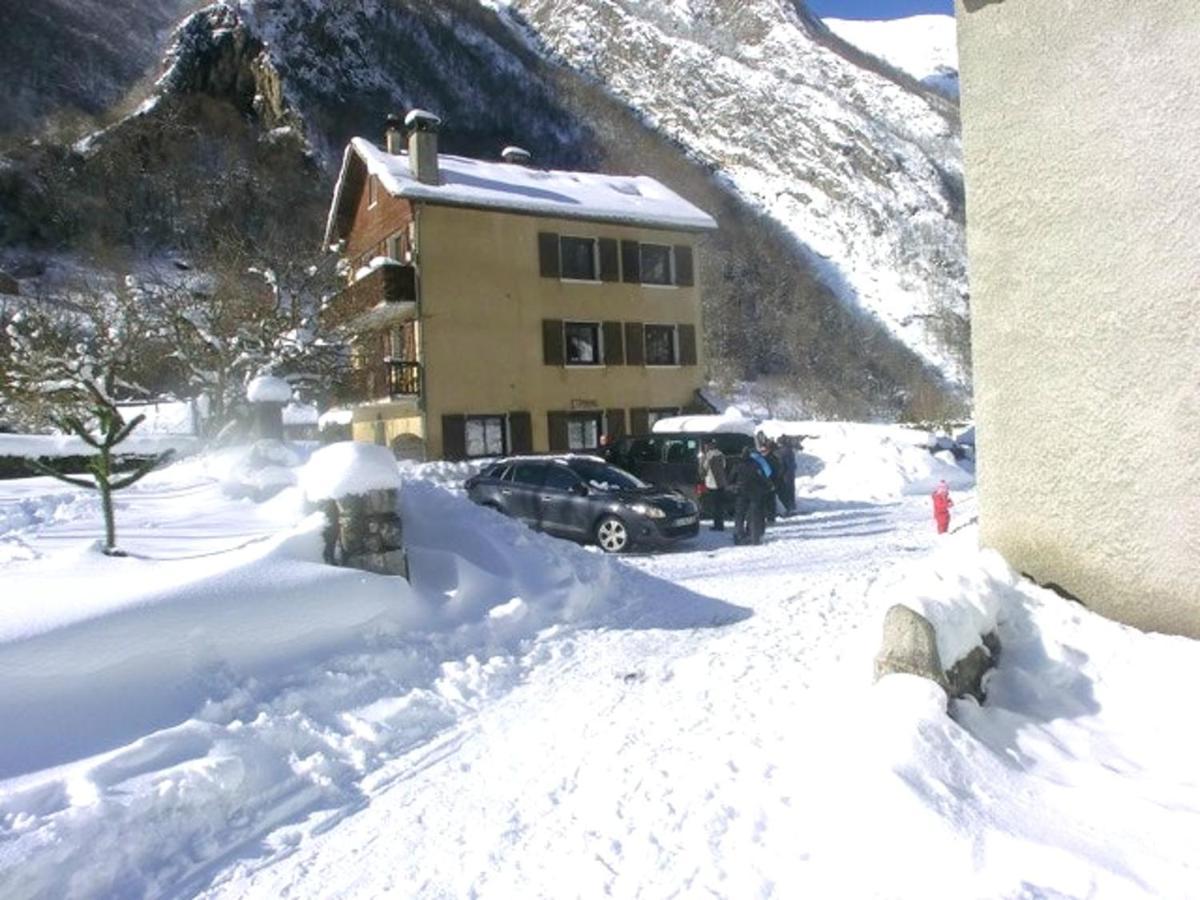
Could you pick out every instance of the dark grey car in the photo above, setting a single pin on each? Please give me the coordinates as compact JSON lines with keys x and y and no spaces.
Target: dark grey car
{"x":585,"y":499}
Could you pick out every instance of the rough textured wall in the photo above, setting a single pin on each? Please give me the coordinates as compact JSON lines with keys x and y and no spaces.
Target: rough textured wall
{"x":1083,"y":209}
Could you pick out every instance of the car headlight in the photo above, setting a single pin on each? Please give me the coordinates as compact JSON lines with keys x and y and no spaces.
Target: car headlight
{"x":645,"y":509}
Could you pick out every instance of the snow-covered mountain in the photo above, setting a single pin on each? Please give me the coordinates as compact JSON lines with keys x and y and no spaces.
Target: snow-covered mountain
{"x":864,"y":170}
{"x":926,"y":47}
{"x":838,"y":271}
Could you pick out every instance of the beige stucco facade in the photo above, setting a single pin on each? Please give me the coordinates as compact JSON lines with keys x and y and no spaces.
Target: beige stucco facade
{"x":1082,"y":144}
{"x":482,"y":301}
{"x":482,"y":306}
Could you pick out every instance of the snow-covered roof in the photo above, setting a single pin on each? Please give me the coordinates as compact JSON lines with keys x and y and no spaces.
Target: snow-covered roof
{"x":627,"y":199}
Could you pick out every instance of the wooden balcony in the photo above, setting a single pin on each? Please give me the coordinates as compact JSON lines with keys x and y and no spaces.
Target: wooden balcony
{"x":378,"y":299}
{"x":384,"y":380}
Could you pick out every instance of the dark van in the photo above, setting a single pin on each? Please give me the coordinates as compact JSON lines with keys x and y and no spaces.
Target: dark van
{"x":672,"y":460}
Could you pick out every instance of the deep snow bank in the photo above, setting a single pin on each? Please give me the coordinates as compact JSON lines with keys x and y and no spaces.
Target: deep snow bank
{"x":248,"y":693}
{"x":847,"y":461}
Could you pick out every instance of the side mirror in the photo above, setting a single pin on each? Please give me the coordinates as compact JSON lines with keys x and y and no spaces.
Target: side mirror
{"x":579,"y":489}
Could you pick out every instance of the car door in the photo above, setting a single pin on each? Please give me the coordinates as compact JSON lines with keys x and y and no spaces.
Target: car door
{"x":519,"y":491}
{"x":565,"y":505}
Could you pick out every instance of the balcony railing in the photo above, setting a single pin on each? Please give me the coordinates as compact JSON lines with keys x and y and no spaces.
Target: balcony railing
{"x":385,"y":380}
{"x":387,"y":294}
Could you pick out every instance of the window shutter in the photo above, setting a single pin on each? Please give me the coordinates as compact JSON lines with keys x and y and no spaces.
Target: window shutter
{"x":520,"y":430}
{"x":639,"y":420}
{"x":635,"y":344}
{"x":614,"y":344}
{"x":548,"y":254}
{"x":684,"y":274}
{"x":454,"y":437}
{"x":610,"y":264}
{"x":614,"y":424}
{"x":631,"y":262}
{"x":687,"y":344}
{"x":552,"y":342}
{"x":557,"y":422}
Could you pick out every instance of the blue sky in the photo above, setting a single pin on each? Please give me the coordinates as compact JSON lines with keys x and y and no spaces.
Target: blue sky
{"x":878,"y":9}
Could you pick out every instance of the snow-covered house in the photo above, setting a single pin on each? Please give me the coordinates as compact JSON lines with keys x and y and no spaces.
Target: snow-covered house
{"x":502,"y":308}
{"x":1084,"y":205}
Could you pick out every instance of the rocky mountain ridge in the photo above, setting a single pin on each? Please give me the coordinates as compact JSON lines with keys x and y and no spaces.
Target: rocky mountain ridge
{"x":241,"y":132}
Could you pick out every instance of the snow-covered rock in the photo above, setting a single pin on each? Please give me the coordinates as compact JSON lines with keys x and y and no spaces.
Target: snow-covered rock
{"x":349,"y":467}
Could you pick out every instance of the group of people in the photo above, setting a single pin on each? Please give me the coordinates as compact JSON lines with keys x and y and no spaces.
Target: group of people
{"x":751,"y":483}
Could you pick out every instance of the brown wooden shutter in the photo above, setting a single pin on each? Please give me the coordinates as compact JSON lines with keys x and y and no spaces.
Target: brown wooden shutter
{"x":520,"y":431}
{"x":684,"y":274}
{"x":687,"y":344}
{"x":610,"y":264}
{"x":557,"y":422}
{"x":614,"y":424}
{"x":631,"y":262}
{"x":548,"y":254}
{"x":639,"y":420}
{"x":552,"y":342}
{"x":454,"y":437}
{"x":614,"y":344}
{"x":635,"y":344}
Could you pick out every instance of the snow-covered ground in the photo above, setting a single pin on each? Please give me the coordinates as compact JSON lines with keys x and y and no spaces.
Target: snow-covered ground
{"x":925,"y":47}
{"x":222,"y":715}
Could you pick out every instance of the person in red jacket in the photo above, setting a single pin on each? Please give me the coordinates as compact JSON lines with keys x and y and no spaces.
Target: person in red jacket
{"x":941,"y":507}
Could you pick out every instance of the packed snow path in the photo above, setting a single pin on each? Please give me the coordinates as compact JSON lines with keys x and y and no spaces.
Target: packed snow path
{"x":632,"y":762}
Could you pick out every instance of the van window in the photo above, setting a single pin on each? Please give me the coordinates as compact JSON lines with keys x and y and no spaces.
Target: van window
{"x":681,"y":450}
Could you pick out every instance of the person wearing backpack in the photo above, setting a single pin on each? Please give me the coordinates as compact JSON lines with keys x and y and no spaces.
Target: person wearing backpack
{"x":750,"y":485}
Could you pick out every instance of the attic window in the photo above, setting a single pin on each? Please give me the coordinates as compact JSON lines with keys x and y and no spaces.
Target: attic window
{"x":372,"y":191}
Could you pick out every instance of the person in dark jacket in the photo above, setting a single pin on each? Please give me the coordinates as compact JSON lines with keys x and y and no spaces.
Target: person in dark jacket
{"x":770,"y":452}
{"x":787,"y":459}
{"x":750,"y":486}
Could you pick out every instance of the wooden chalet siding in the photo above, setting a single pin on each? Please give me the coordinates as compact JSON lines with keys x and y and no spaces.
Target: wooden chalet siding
{"x":614,"y":344}
{"x":371,"y":226}
{"x":520,"y":430}
{"x":687,"y":344}
{"x":387,"y":284}
{"x":454,"y":437}
{"x":614,"y":424}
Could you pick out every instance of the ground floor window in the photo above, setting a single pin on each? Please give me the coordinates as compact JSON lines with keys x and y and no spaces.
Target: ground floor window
{"x":486,"y":436}
{"x":584,"y":430}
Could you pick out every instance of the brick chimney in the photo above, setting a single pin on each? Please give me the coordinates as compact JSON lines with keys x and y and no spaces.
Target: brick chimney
{"x":393,"y":131}
{"x":423,"y":145}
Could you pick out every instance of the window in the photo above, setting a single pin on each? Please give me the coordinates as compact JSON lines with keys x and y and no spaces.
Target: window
{"x":396,"y":247}
{"x":583,"y":431}
{"x":582,"y":343}
{"x":660,"y":345}
{"x":372,"y":191}
{"x":578,"y":258}
{"x":485,"y":436}
{"x":527,"y":473}
{"x":560,"y":478}
{"x":653,"y":415}
{"x":656,"y":264}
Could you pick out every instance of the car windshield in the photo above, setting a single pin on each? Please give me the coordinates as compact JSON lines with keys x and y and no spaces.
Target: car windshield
{"x":600,"y":477}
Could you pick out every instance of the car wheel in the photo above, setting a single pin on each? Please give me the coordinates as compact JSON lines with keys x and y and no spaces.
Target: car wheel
{"x":612,"y":535}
